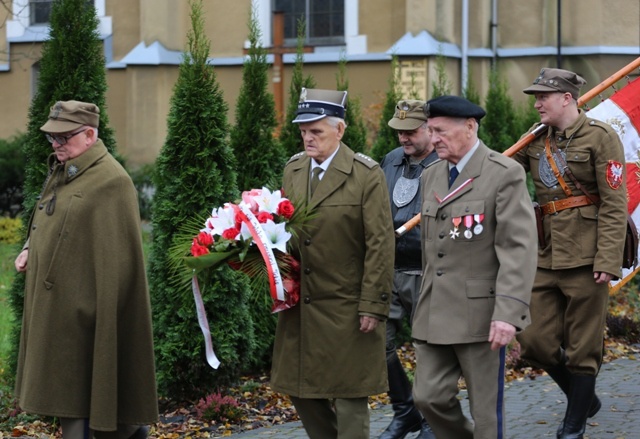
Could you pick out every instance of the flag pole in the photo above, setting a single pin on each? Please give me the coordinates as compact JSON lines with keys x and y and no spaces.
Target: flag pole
{"x":528,"y":138}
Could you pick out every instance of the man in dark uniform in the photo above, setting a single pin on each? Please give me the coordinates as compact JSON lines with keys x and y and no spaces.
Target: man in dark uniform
{"x":578,"y":171}
{"x":403,"y":168}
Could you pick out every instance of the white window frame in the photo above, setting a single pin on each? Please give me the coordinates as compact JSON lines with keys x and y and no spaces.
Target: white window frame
{"x":355,"y":43}
{"x":20,"y":29}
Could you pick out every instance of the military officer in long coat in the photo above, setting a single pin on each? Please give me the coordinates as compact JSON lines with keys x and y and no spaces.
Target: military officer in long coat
{"x":479,"y":257}
{"x":329,"y":352}
{"x":577,"y":167}
{"x":86,"y":347}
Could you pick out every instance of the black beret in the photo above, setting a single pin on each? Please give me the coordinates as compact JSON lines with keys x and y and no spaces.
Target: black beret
{"x":453,"y":106}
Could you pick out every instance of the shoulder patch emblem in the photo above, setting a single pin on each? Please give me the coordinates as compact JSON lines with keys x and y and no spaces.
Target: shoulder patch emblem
{"x":614,"y":174}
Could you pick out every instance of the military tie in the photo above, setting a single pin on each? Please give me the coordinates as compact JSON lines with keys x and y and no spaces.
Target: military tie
{"x":453,"y":173}
{"x":315,"y":178}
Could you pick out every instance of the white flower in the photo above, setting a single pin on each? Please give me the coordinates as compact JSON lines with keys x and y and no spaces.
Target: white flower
{"x":277,"y":236}
{"x":221,"y":219}
{"x":268,"y":201}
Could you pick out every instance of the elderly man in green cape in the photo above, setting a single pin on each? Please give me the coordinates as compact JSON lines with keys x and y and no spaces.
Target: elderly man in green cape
{"x":86,"y":347}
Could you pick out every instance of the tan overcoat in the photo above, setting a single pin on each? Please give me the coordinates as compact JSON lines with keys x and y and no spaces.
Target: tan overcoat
{"x":86,"y":348}
{"x":346,"y":256}
{"x":468,"y":282}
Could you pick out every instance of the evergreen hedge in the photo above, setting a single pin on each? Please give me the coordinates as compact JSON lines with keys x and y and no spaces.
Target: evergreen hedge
{"x":195,"y":173}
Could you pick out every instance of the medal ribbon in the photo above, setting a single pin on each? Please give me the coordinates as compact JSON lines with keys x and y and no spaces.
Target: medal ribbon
{"x":455,"y":191}
{"x":260,"y":238}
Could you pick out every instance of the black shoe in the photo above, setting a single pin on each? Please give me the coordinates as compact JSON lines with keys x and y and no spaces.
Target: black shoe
{"x":425,"y":431}
{"x":141,"y":433}
{"x":579,"y":404}
{"x":401,"y":425}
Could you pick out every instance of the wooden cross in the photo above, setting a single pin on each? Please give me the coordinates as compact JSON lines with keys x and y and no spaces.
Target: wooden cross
{"x":278,"y":50}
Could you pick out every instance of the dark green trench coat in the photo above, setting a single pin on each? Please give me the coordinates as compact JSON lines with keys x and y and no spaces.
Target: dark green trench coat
{"x":346,"y":257}
{"x":86,"y":348}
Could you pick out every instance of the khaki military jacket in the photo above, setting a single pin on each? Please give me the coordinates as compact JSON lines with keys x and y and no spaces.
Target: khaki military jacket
{"x":585,"y":235}
{"x":488,"y":275}
{"x":346,"y":258}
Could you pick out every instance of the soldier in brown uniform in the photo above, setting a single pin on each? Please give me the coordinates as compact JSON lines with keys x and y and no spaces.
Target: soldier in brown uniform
{"x":581,"y":241}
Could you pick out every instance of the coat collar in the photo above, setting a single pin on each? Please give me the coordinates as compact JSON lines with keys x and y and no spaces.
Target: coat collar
{"x":472,"y":170}
{"x":339,"y":170}
{"x":75,"y":167}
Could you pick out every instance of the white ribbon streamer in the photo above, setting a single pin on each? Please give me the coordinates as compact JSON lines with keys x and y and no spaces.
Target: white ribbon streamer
{"x":204,"y":324}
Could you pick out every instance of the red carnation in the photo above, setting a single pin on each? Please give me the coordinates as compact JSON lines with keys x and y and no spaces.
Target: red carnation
{"x":205,"y":239}
{"x":285,"y":209}
{"x":263,"y":217}
{"x":197,"y":249}
{"x":230,"y":233}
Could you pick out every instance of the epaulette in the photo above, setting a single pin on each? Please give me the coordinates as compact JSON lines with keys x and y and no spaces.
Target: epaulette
{"x":501,"y":159}
{"x":609,"y":125}
{"x":295,"y":157}
{"x":368,"y":161}
{"x":433,"y":163}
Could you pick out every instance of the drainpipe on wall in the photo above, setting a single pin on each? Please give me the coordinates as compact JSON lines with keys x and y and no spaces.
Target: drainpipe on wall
{"x":465,"y":46}
{"x":494,"y":32}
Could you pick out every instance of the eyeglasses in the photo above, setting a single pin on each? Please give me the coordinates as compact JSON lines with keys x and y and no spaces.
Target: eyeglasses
{"x":62,"y":140}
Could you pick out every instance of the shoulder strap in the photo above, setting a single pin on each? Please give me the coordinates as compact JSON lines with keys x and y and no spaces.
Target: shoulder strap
{"x":565,"y":166}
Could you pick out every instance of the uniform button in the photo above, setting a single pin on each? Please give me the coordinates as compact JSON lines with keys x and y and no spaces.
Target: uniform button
{"x":439,"y":273}
{"x":307,"y":300}
{"x":440,"y":254}
{"x":33,"y":227}
{"x":307,"y":270}
{"x":555,"y":198}
{"x":442,"y":235}
{"x":491,"y":291}
{"x":384,"y":296}
{"x":443,"y":216}
{"x":41,"y":206}
{"x":307,"y":242}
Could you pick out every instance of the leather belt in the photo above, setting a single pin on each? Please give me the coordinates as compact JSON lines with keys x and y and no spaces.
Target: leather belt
{"x":567,"y":203}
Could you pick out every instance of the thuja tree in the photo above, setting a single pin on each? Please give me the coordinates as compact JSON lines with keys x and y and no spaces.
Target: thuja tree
{"x":290,"y":133}
{"x":261,"y":160}
{"x":441,"y":85}
{"x":260,"y":154}
{"x":387,"y":138}
{"x":499,"y":129}
{"x":72,"y":67}
{"x":195,"y":172}
{"x":356,"y":134}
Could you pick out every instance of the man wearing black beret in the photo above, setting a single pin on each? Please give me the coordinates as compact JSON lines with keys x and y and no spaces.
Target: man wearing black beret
{"x":478,"y":242}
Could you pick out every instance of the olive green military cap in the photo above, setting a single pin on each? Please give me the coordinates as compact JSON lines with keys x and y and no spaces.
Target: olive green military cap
{"x":408,"y":116}
{"x":556,"y":80}
{"x":67,"y":116}
{"x":315,"y":104}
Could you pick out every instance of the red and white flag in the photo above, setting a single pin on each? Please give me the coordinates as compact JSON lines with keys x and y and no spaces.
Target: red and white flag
{"x":622,"y":112}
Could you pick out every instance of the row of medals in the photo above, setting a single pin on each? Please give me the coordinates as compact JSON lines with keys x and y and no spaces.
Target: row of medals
{"x":468,"y":222}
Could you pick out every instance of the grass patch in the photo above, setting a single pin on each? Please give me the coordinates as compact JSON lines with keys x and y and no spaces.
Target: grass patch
{"x":7,"y":273}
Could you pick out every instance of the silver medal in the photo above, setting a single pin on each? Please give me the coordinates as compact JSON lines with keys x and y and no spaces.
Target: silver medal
{"x":405,"y":190}
{"x":477,"y":229}
{"x":468,"y":234}
{"x":547,"y":176}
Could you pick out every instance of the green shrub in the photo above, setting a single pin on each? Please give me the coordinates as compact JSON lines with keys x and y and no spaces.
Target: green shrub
{"x":195,"y":173}
{"x":10,"y":230}
{"x":12,"y":168}
{"x":143,"y":178}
